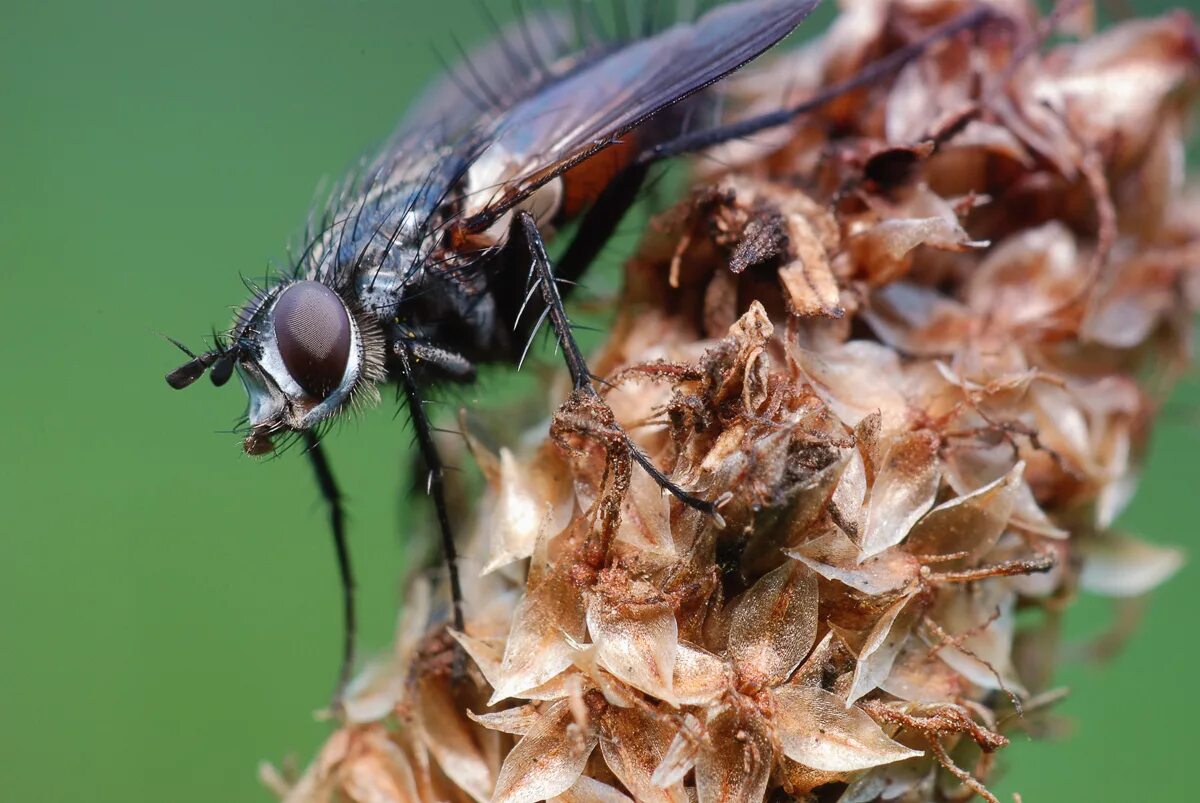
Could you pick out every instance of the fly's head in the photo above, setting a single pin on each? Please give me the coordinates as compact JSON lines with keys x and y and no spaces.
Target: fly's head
{"x":303,"y":352}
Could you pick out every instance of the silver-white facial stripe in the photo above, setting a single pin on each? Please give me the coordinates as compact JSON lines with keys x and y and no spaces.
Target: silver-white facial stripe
{"x":265,"y":402}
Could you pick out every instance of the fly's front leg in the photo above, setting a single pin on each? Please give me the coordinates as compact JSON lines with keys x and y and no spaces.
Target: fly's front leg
{"x":581,"y":378}
{"x":337,"y":519}
{"x":436,"y":477}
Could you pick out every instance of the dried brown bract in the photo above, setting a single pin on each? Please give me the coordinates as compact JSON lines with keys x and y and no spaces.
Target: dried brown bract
{"x":919,"y":340}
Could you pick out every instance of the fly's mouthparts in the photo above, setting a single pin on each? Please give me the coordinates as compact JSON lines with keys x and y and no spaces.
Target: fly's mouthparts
{"x":260,"y":441}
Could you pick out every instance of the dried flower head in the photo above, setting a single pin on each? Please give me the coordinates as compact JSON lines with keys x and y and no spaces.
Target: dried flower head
{"x":919,"y":339}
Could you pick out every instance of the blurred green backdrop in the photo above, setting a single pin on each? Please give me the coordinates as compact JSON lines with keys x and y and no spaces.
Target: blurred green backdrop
{"x":168,"y":609}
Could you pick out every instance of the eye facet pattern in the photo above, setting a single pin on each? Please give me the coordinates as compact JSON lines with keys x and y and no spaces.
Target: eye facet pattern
{"x":312,"y":328}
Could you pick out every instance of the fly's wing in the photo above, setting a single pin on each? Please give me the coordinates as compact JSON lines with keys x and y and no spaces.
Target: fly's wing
{"x":590,"y":109}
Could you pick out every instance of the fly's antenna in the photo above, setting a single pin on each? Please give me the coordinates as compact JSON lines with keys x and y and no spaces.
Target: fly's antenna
{"x":220,"y":359}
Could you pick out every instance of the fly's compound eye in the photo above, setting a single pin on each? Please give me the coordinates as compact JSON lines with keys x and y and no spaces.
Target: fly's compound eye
{"x":312,"y":329}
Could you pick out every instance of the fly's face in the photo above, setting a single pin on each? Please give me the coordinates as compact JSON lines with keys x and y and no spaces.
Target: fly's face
{"x":302,"y":358}
{"x":303,"y":354}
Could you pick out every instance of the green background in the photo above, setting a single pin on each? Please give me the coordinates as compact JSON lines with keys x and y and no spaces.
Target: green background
{"x":168,"y":610}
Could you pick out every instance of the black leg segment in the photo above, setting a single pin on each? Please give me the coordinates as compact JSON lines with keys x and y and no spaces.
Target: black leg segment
{"x":337,"y":520}
{"x":526,"y":230}
{"x":434,"y":482}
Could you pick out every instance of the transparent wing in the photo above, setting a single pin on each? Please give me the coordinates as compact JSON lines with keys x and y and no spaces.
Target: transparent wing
{"x":579,"y":115}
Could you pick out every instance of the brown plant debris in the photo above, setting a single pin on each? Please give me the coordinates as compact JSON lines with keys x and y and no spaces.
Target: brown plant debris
{"x":919,"y":338}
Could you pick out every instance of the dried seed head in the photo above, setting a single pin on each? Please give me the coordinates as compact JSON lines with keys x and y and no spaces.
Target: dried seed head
{"x":917,"y":337}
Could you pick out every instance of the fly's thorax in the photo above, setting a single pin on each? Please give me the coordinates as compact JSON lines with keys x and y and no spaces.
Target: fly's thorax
{"x":382,"y":290}
{"x":373,"y":237}
{"x":375,"y":254}
{"x":306,"y":353}
{"x":387,"y":271}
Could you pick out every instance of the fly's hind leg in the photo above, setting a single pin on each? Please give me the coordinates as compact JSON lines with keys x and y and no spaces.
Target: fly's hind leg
{"x":695,"y":141}
{"x":581,"y":378}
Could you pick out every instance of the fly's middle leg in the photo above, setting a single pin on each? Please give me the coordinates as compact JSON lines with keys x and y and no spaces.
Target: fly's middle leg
{"x":526,"y":231}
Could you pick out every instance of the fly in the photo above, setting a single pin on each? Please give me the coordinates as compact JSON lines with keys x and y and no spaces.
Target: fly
{"x":434,"y":260}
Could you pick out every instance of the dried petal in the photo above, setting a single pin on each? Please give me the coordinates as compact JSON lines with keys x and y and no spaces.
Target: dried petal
{"x":634,"y":743}
{"x":374,"y":692}
{"x":774,"y":625}
{"x":904,"y":489}
{"x":882,"y":644}
{"x":1060,"y":423}
{"x":846,"y":506}
{"x":1115,"y":83}
{"x":835,"y":557}
{"x":635,"y":640}
{"x":1121,"y":566}
{"x":361,"y":765}
{"x":917,"y":320}
{"x":374,"y":777}
{"x":537,"y":647}
{"x":825,"y":655}
{"x":891,"y":782}
{"x":982,"y":623}
{"x":801,"y":780}
{"x":971,"y":523}
{"x":884,"y":252}
{"x":448,"y":737}
{"x":919,"y":677}
{"x":700,"y":677}
{"x":519,"y":515}
{"x":735,"y":756}
{"x":969,"y":470}
{"x":808,"y":279}
{"x":485,"y":655}
{"x":317,"y":783}
{"x":857,"y":379}
{"x":517,"y":721}
{"x":681,"y":754}
{"x":817,"y":730}
{"x":586,"y":660}
{"x":547,"y":761}
{"x":646,"y":517}
{"x":589,"y":790}
{"x":1026,"y":277}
